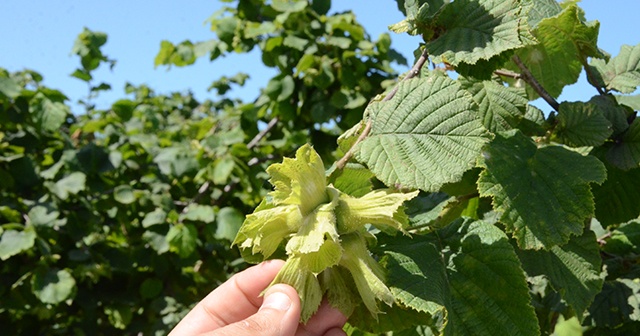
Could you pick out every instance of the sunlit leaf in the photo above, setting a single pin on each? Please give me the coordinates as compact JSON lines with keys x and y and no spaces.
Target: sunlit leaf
{"x":479,"y":30}
{"x":427,"y":135}
{"x":182,"y":239}
{"x":223,"y":169}
{"x":621,"y":73}
{"x":198,"y":212}
{"x":156,"y":241}
{"x":501,"y":108}
{"x":567,"y":327}
{"x":228,"y":223}
{"x":354,"y":180}
{"x":49,"y":115}
{"x":157,"y":216}
{"x":624,"y":240}
{"x":13,"y":242}
{"x":44,"y":215}
{"x":563,"y":39}
{"x":632,"y":101}
{"x":289,"y":5}
{"x":541,"y":9}
{"x":69,"y":185}
{"x":53,"y":285}
{"x":124,"y":194}
{"x":9,"y":87}
{"x":119,"y":316}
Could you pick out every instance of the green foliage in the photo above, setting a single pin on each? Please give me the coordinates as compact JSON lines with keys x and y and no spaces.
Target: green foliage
{"x":487,"y":27}
{"x":14,"y":242}
{"x":515,"y":177}
{"x":100,"y":234}
{"x":624,"y":153}
{"x":513,"y":221}
{"x":582,"y":125}
{"x":478,"y":286}
{"x":573,"y":269}
{"x":500,"y":108}
{"x":564,"y":39}
{"x":412,"y":122}
{"x":329,"y":68}
{"x":621,"y":73}
{"x":118,"y":221}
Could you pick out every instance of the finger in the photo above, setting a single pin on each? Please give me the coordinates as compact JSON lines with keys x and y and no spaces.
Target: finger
{"x":326,"y":321}
{"x":278,"y":316}
{"x":235,"y":300}
{"x":335,"y":332}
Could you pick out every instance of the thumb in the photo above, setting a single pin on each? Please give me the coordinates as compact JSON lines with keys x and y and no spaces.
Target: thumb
{"x":279,"y":315}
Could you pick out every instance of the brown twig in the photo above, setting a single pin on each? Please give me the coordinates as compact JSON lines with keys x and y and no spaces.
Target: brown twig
{"x":415,"y":70}
{"x":603,"y":240}
{"x":254,"y":142}
{"x":254,"y":161}
{"x":528,"y":77}
{"x":201,"y":191}
{"x":507,"y":73}
{"x":263,"y":133}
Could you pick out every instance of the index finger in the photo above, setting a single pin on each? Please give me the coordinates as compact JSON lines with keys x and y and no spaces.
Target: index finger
{"x":236,"y":299}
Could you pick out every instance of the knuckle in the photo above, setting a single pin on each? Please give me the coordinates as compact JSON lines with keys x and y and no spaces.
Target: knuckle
{"x":260,"y":325}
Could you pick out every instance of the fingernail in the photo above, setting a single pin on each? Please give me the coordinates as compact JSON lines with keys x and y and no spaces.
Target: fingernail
{"x":277,"y":301}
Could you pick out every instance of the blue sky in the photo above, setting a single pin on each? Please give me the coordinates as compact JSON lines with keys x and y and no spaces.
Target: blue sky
{"x":39,"y":34}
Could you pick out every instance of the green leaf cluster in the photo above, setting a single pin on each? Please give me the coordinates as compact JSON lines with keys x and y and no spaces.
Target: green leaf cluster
{"x":321,"y":60}
{"x":108,"y":219}
{"x":118,"y":220}
{"x":514,"y":221}
{"x":517,"y":227}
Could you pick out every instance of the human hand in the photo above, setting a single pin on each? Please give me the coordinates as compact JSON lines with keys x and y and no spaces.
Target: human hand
{"x":236,"y":308}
